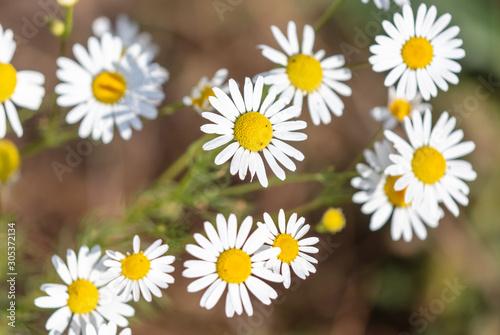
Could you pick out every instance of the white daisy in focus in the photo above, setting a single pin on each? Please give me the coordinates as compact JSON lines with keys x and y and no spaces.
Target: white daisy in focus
{"x":304,"y":73}
{"x":23,"y":88}
{"x":253,"y":127}
{"x":142,"y":272}
{"x":419,"y":52}
{"x":386,"y":4}
{"x":201,"y":92}
{"x":106,"y":329}
{"x":82,"y":299}
{"x":381,"y":201}
{"x":428,"y":166}
{"x":229,"y":259}
{"x":294,"y":248}
{"x":107,"y":88}
{"x":398,"y":108}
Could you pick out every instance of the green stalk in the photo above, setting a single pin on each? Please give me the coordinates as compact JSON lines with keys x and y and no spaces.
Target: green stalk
{"x":68,"y":27}
{"x":328,"y":14}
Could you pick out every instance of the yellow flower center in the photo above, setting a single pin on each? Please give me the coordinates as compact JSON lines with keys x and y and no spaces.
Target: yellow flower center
{"x":333,"y":220}
{"x":8,"y":81}
{"x":417,"y":53}
{"x":234,"y":266}
{"x":289,"y":247}
{"x":305,"y":72}
{"x":9,"y":159}
{"x":397,"y":198}
{"x":136,"y":266}
{"x":205,"y":94}
{"x":253,"y":131}
{"x":400,"y":108}
{"x":109,"y":87}
{"x":428,"y":165}
{"x":83,"y":296}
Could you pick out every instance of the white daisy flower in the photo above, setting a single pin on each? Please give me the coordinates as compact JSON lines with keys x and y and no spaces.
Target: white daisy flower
{"x":107,"y":88}
{"x":304,"y":73}
{"x":23,"y":88}
{"x":141,"y":272}
{"x":294,"y":249}
{"x":201,"y":92}
{"x":83,"y":299}
{"x":418,"y":52}
{"x":252,"y":127}
{"x":386,"y":4}
{"x":381,"y":200}
{"x":398,"y":108}
{"x":106,"y":329}
{"x":428,"y":164}
{"x":127,"y":30}
{"x":229,"y":259}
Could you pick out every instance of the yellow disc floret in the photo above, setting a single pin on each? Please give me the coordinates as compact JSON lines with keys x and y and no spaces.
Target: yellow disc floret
{"x":400,"y":108}
{"x":253,"y":131}
{"x":109,"y":87}
{"x":333,"y":220}
{"x":417,"y":53}
{"x":83,"y":296}
{"x":428,"y":165}
{"x":289,"y":247}
{"x":136,"y":266}
{"x":8,"y":81}
{"x":305,"y":72}
{"x":204,"y":95}
{"x":9,"y":160}
{"x":234,"y":266}
{"x":397,"y":198}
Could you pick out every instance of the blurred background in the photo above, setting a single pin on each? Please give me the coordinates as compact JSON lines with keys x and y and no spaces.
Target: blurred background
{"x":365,"y":282}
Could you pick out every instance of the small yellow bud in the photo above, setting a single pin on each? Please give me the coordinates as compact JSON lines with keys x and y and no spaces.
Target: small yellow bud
{"x":67,"y":3}
{"x":9,"y":160}
{"x":333,"y":221}
{"x":57,"y":28}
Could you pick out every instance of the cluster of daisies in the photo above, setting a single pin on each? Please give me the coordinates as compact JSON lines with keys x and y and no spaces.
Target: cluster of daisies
{"x":95,"y":296}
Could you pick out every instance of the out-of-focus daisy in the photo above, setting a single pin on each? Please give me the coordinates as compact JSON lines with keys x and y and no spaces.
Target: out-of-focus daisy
{"x":201,"y":92}
{"x":107,"y":88}
{"x":127,"y":30}
{"x":386,"y":4}
{"x":294,"y":249}
{"x":83,"y":299}
{"x":398,"y":108}
{"x":333,"y":221}
{"x":253,"y":127}
{"x":419,"y":52}
{"x":23,"y":88}
{"x":67,"y":3}
{"x":9,"y":162}
{"x":229,"y":259}
{"x":304,"y":73}
{"x":381,"y":200}
{"x":428,"y":167}
{"x":141,"y":272}
{"x":106,"y":329}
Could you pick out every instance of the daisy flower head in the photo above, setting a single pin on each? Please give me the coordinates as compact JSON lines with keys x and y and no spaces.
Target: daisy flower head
{"x":22,"y":88}
{"x":381,"y":200}
{"x":230,"y":258}
{"x":11,"y":160}
{"x":333,"y":221}
{"x":294,"y":248}
{"x":67,"y":3}
{"x":143,"y":272}
{"x":420,"y":52}
{"x":253,"y":127}
{"x":304,"y":73}
{"x":397,"y":108}
{"x":428,"y":166}
{"x":204,"y":89}
{"x":386,"y":4}
{"x":106,"y":329}
{"x":106,"y":88}
{"x":82,"y":299}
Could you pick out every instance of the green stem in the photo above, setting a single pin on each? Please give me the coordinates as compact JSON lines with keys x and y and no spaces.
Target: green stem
{"x":328,"y":14}
{"x":359,"y":65}
{"x":48,"y":142}
{"x":169,"y":109}
{"x":68,"y":27}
